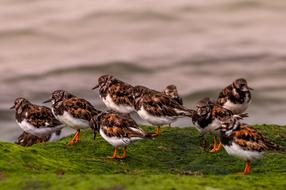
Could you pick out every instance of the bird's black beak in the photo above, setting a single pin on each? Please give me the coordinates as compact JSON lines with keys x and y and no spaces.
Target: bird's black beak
{"x":249,"y":88}
{"x":47,"y":101}
{"x":12,"y":107}
{"x":95,"y":87}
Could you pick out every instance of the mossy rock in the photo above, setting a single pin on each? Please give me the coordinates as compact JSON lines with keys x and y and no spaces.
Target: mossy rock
{"x":178,"y":159}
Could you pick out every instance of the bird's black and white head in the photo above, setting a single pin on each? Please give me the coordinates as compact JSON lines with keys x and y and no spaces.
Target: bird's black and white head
{"x":228,"y":124}
{"x":171,"y":90}
{"x":241,"y":85}
{"x":58,"y":96}
{"x":19,"y":103}
{"x":104,"y":81}
{"x":204,"y":107}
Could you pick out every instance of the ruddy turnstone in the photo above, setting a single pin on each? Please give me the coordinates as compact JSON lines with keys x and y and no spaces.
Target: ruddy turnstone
{"x":115,"y":94}
{"x":171,"y":90}
{"x":73,"y":111}
{"x":118,"y":130}
{"x":207,"y":118}
{"x":34,"y":119}
{"x":235,"y":97}
{"x":244,"y":142}
{"x":26,"y":139}
{"x":158,"y":108}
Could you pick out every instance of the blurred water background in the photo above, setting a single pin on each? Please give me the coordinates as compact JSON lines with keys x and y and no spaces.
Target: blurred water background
{"x":201,"y":46}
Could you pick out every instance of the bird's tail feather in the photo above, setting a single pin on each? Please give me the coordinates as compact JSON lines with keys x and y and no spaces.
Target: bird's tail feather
{"x":150,"y":135}
{"x":275,"y":147}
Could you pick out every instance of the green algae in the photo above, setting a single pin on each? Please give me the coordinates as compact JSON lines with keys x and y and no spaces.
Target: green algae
{"x":175,"y":160}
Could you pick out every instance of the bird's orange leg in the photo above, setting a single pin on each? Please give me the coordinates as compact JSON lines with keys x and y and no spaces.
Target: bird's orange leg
{"x":216,"y":147}
{"x":247,"y":168}
{"x":75,"y":139}
{"x":114,"y":153}
{"x":158,"y":130}
{"x":124,"y":152}
{"x":78,"y":136}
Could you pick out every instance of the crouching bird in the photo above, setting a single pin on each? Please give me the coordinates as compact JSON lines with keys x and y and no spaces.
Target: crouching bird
{"x":118,"y":130}
{"x":244,"y":142}
{"x":27,"y":139}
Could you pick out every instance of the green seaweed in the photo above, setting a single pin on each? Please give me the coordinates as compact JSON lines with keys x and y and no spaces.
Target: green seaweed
{"x":178,"y":159}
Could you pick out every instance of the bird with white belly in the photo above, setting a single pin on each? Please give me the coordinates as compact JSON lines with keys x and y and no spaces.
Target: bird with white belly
{"x":73,"y":111}
{"x":35,"y":119}
{"x":236,"y":97}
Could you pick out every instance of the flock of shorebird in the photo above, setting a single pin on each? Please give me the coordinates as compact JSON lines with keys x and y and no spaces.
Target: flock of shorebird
{"x":221,"y":117}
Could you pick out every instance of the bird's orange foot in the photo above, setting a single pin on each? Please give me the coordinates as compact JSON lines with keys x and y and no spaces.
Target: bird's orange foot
{"x":114,"y":154}
{"x":216,"y":148}
{"x":122,"y":157}
{"x":75,"y":139}
{"x":73,"y":142}
{"x":113,"y":157}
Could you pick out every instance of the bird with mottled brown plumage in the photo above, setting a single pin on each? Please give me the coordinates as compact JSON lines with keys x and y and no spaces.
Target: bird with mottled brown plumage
{"x":236,"y":97}
{"x":118,"y":130}
{"x":115,"y":94}
{"x":158,"y":108}
{"x":73,"y":111}
{"x":35,"y":119}
{"x":244,"y":142}
{"x":207,"y":118}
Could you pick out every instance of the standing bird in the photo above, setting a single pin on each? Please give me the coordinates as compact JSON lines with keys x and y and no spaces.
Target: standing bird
{"x":235,"y":97}
{"x":115,"y":94}
{"x":73,"y":111}
{"x":207,"y":118}
{"x":244,"y":142}
{"x":158,"y":108}
{"x":118,"y":130}
{"x":34,"y":119}
{"x":171,"y":90}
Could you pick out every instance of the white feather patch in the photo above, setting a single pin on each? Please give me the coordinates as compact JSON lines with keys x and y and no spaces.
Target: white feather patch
{"x":119,"y":108}
{"x":236,"y":108}
{"x":116,"y":141}
{"x":72,"y":122}
{"x":39,"y":132}
{"x":246,"y":155}
{"x":154,"y":120}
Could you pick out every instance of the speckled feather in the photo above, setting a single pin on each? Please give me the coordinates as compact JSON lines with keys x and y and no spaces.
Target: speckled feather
{"x":227,"y":94}
{"x":117,"y":125}
{"x":248,"y":138}
{"x":219,"y":112}
{"x":216,"y":112}
{"x":26,"y":139}
{"x":38,"y":116}
{"x":119,"y":91}
{"x":159,"y":104}
{"x":79,"y":108}
{"x":171,"y":90}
